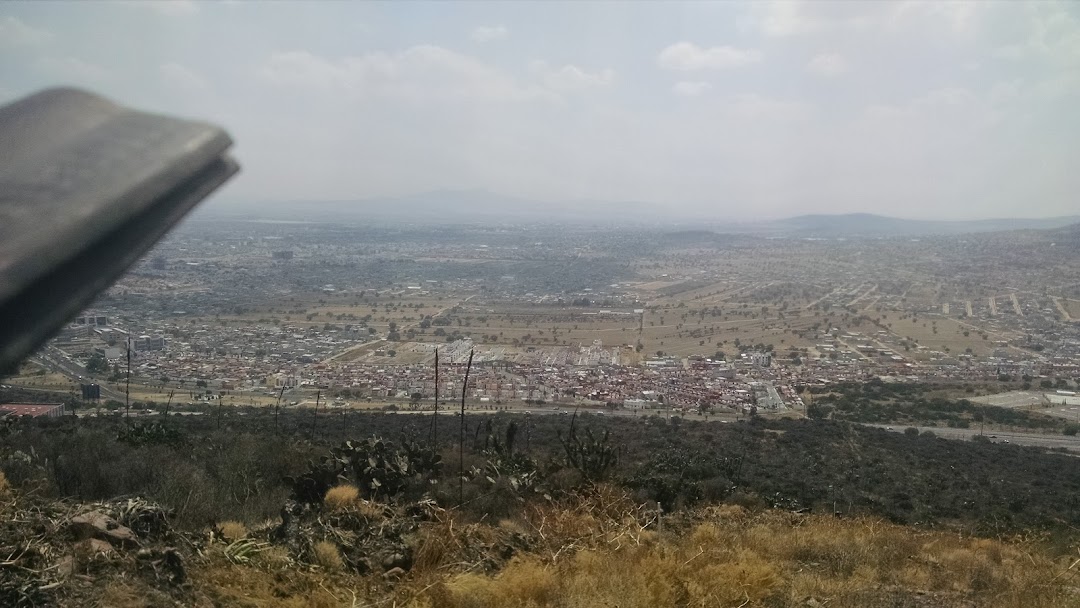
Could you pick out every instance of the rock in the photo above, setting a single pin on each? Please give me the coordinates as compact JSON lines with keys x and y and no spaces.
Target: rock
{"x":362,"y":565}
{"x":397,"y":560}
{"x":93,"y":547}
{"x":65,"y":566}
{"x":506,"y":552}
{"x":88,"y":552}
{"x":96,"y":524}
{"x":167,"y":562}
{"x":393,"y":574}
{"x":174,"y":565}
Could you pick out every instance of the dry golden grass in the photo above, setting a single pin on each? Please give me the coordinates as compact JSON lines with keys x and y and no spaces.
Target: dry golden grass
{"x":604,"y":550}
{"x":275,"y":557}
{"x":233,"y":530}
{"x":327,"y":555}
{"x":339,"y":498}
{"x":131,"y":594}
{"x":370,"y":509}
{"x":225,"y":584}
{"x":771,"y":559}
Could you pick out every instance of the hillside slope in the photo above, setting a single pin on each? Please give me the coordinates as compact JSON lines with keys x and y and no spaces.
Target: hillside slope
{"x":598,"y":548}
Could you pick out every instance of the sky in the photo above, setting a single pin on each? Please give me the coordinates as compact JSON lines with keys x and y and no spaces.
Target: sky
{"x":726,"y":110}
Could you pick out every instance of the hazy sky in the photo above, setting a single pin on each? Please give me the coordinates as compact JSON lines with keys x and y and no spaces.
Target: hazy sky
{"x":741,"y":109}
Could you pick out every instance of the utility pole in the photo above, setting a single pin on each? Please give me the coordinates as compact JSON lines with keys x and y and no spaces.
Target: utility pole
{"x":315,"y":418}
{"x":277,"y":408}
{"x":127,"y":389}
{"x":435,"y":419}
{"x":461,"y":436}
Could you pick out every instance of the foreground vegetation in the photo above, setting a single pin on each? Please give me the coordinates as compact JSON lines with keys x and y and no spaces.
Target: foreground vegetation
{"x":594,"y":547}
{"x":242,"y":507}
{"x":234,"y":464}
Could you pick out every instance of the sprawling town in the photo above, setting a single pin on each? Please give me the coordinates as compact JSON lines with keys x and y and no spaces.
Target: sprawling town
{"x":619,"y":320}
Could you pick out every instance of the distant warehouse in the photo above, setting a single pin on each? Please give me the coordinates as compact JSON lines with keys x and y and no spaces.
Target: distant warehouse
{"x":34,"y":410}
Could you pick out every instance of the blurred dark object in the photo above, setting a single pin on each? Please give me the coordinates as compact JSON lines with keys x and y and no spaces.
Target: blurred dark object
{"x":86,"y":188}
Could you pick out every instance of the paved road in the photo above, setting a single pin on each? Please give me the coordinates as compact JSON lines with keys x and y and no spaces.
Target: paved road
{"x":1035,"y":439}
{"x":56,"y":361}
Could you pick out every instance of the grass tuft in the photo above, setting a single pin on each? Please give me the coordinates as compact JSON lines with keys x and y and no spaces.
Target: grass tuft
{"x":233,"y":530}
{"x":327,"y":555}
{"x":341,"y":497}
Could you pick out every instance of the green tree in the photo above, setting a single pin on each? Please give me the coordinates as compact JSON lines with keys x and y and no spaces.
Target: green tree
{"x":97,"y":364}
{"x":817,"y":411}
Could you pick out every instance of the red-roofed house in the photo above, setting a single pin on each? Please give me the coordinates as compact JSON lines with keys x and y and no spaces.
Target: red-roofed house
{"x":36,"y":410}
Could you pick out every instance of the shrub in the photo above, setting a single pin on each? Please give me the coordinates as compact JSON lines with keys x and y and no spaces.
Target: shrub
{"x":341,"y":497}
{"x":233,"y":530}
{"x":326,"y":554}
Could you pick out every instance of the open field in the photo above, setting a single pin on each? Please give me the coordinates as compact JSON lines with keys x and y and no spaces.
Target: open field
{"x":1072,"y":307}
{"x":32,"y":376}
{"x":941,"y":334}
{"x":1014,"y":399}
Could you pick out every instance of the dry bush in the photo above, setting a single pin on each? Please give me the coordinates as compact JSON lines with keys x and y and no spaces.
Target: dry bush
{"x":131,"y":594}
{"x":768,"y":559}
{"x":747,"y":577}
{"x":226,"y":584}
{"x":327,"y":555}
{"x":447,"y":540}
{"x":233,"y":530}
{"x":708,"y":535}
{"x":521,"y":583}
{"x":339,"y":498}
{"x":603,"y":516}
{"x":437,"y":544}
{"x":726,"y":511}
{"x":370,"y":509}
{"x":275,"y":557}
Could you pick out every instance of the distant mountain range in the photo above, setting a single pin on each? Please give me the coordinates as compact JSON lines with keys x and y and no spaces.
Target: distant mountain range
{"x":869,"y":225}
{"x":457,"y":207}
{"x":450,"y":207}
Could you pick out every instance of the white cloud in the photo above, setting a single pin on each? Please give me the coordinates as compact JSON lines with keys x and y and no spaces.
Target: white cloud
{"x":487,"y":33}
{"x":790,"y":18}
{"x":180,"y":77}
{"x":827,"y":64}
{"x":418,"y":74}
{"x":571,"y":77}
{"x":960,"y":17}
{"x":690,"y":88}
{"x":1050,"y":32}
{"x":14,"y":32}
{"x":687,"y":56}
{"x":782,"y":18}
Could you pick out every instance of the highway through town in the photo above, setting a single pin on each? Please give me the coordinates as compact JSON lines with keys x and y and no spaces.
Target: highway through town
{"x":55,"y":360}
